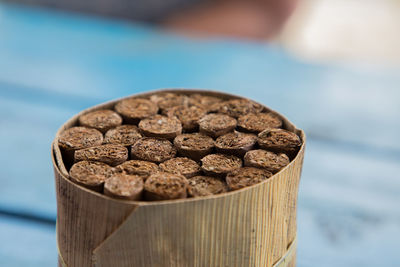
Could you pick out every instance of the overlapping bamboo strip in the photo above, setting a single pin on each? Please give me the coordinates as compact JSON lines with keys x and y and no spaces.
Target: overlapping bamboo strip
{"x":254,"y":226}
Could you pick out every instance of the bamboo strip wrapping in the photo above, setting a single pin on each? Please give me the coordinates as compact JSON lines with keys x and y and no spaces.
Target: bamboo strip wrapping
{"x":289,"y":259}
{"x":80,"y":226}
{"x":249,"y":227}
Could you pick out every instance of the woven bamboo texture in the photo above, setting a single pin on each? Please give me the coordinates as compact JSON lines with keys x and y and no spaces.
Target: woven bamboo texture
{"x":253,"y":226}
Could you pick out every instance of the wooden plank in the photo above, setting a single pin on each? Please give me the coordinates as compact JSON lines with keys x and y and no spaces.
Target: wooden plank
{"x":26,"y":244}
{"x":53,"y":65}
{"x":348,"y":209}
{"x":26,"y":134}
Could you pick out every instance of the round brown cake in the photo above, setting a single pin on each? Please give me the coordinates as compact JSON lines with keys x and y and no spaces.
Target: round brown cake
{"x":102,"y":120}
{"x":165,"y":185}
{"x":215,"y":124}
{"x":125,"y":135}
{"x":194,"y":145}
{"x":135,"y":109}
{"x":185,"y":166}
{"x":161,"y":126}
{"x":124,"y":186}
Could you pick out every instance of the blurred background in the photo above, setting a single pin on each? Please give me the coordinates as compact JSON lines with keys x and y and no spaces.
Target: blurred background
{"x":331,"y":66}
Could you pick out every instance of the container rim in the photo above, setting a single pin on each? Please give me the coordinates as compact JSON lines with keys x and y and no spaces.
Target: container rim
{"x":58,"y":164}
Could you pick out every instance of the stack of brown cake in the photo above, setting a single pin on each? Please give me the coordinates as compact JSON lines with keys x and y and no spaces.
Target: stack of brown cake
{"x":171,"y":146}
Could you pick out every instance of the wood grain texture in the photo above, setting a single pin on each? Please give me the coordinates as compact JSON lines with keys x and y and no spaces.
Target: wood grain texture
{"x":84,"y":220}
{"x":250,"y":227}
{"x":26,"y":243}
{"x":289,"y":259}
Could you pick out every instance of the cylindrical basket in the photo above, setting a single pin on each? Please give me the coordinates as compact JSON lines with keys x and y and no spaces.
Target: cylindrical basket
{"x":254,"y":226}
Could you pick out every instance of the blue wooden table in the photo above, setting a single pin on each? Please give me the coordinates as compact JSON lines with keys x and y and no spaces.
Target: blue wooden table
{"x":54,"y":64}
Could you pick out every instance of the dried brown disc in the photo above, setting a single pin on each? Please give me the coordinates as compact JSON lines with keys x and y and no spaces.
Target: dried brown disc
{"x":161,"y":126}
{"x":79,"y":137}
{"x":235,"y":143}
{"x":135,"y":109}
{"x":256,"y":123}
{"x":102,"y":120}
{"x":165,"y":185}
{"x":206,"y":186}
{"x":153,"y":149}
{"x":181,"y":165}
{"x":220,"y":164}
{"x":188,"y":116}
{"x":279,"y":140}
{"x":265,"y":159}
{"x":204,"y":101}
{"x":215,"y":125}
{"x":125,"y":135}
{"x":214,"y":107}
{"x":124,"y":186}
{"x":110,"y":154}
{"x":91,"y":174}
{"x":246,"y":176}
{"x":194,"y":145}
{"x":138,"y":167}
{"x":166,"y":101}
{"x":239,"y":107}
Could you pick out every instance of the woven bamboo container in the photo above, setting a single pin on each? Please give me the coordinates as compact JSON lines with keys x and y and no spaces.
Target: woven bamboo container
{"x":254,"y":226}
